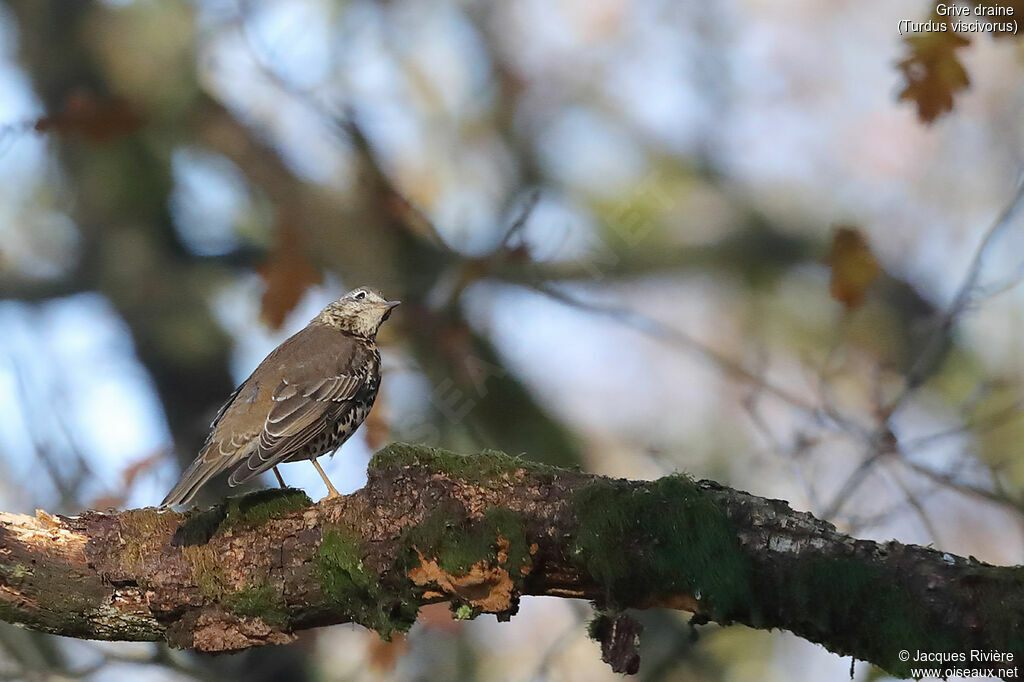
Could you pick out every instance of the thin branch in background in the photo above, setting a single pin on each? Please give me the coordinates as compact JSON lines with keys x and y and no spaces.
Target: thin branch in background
{"x":67,"y":481}
{"x":987,"y":423}
{"x":343,"y":124}
{"x":661,"y":331}
{"x":790,"y":454}
{"x":899,"y":452}
{"x":950,"y":481}
{"x":66,"y":494}
{"x":450,"y":285}
{"x":971,"y":291}
{"x":916,"y":504}
{"x":963,"y":298}
{"x":532,"y":198}
{"x":853,"y":482}
{"x":882,"y":438}
{"x":860,"y":523}
{"x":12,"y":132}
{"x":561,"y":642}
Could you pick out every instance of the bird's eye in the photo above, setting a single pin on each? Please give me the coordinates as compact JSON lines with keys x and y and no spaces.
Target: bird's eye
{"x":361,"y":295}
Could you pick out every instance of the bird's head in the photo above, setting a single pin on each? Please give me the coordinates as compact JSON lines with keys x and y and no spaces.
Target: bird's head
{"x":359,"y":312}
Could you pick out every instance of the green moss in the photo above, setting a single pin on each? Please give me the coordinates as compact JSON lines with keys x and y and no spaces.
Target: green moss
{"x":857,"y":606}
{"x":145,"y":522}
{"x":1009,"y":599}
{"x":206,"y":571}
{"x":457,"y":544}
{"x":199,"y":526}
{"x":665,"y":538}
{"x":464,"y":612}
{"x":261,"y":506}
{"x":258,"y":601}
{"x":599,"y":626}
{"x":245,"y":511}
{"x":357,"y":591}
{"x":142,"y":531}
{"x":16,"y":571}
{"x":483,"y":468}
{"x":668,"y":537}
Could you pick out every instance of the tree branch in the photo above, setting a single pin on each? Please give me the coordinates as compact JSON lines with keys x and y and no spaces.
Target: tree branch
{"x":478,"y":532}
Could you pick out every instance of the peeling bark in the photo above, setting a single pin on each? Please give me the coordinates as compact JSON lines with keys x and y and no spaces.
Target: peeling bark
{"x":479,"y":532}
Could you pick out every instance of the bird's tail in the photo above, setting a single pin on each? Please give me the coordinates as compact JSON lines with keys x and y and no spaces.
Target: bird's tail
{"x":251,"y":467}
{"x":197,"y":474}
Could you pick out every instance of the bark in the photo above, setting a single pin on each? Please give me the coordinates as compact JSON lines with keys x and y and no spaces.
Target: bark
{"x":479,"y":532}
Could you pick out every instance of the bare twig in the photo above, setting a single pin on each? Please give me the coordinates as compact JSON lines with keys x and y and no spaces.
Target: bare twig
{"x":532,"y":197}
{"x":963,"y":298}
{"x":987,"y":423}
{"x":344,"y":124}
{"x":853,"y":482}
{"x":950,"y":481}
{"x":915,"y":502}
{"x":881,"y":440}
{"x":661,"y":331}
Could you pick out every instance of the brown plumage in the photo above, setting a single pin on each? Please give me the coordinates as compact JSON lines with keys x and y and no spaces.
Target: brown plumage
{"x":305,"y":399}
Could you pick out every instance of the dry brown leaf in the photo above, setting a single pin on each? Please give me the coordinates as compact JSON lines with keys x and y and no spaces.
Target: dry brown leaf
{"x":383,"y":656}
{"x":288,"y":273}
{"x":141,"y":466}
{"x":933,"y":71}
{"x":853,"y":265}
{"x":129,"y":475}
{"x":93,"y":119}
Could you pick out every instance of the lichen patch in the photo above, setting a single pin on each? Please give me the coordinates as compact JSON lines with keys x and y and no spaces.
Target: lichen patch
{"x":42,"y":531}
{"x":222,"y":632}
{"x":13,"y":596}
{"x":487,"y":587}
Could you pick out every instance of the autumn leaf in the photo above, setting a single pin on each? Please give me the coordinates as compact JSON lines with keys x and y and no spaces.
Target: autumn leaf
{"x":93,"y":119}
{"x":933,"y":71}
{"x":129,"y":475}
{"x":853,"y":265}
{"x":288,"y":273}
{"x":383,"y":656}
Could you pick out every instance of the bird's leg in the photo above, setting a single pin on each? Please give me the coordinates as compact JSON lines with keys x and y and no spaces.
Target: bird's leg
{"x":333,"y":491}
{"x":279,"y":479}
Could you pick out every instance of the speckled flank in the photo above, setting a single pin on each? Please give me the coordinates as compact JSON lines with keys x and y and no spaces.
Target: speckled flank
{"x":349,"y":420}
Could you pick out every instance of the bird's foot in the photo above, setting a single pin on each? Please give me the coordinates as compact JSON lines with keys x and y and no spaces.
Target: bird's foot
{"x":330,"y":496}
{"x":333,"y":492}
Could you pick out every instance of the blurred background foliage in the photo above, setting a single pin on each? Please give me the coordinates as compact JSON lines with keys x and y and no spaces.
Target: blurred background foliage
{"x":756,"y":241}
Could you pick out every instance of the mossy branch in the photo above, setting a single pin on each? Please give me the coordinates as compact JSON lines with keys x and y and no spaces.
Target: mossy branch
{"x":480,"y":531}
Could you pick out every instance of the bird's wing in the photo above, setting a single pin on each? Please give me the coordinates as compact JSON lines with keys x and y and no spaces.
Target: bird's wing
{"x":286,"y":402}
{"x":212,"y":459}
{"x":301,"y":411}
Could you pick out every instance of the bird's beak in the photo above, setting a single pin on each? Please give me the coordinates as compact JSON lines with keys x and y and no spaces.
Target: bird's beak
{"x":393,"y":304}
{"x":388,"y":307}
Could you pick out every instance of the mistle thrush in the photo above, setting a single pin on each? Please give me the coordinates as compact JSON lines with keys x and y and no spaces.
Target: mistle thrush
{"x":305,"y":399}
